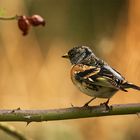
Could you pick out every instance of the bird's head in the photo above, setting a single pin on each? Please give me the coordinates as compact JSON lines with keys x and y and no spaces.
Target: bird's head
{"x":80,"y":54}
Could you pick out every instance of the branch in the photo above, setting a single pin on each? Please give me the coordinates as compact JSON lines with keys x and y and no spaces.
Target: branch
{"x":9,"y":18}
{"x":67,"y":113}
{"x":12,"y":131}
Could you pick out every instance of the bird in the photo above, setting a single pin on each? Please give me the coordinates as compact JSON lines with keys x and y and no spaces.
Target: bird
{"x":93,"y":76}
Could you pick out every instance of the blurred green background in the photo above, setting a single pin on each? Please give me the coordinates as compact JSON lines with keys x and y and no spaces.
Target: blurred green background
{"x":34,"y":76}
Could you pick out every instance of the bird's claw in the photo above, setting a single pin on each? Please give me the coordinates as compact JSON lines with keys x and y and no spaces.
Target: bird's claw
{"x":108,"y":108}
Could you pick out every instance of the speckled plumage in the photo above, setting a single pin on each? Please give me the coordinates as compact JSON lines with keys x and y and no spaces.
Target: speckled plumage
{"x":94,"y":76}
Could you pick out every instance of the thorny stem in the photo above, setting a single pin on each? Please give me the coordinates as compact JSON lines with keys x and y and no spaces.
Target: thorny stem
{"x":67,"y":113}
{"x":10,"y":18}
{"x":13,"y":131}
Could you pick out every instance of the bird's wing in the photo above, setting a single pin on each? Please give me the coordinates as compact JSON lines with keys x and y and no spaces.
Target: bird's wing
{"x":99,"y":76}
{"x":110,"y":78}
{"x":82,"y":74}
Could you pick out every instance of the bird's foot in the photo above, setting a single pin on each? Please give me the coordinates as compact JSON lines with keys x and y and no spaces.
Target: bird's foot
{"x":106,"y":105}
{"x":108,"y":108}
{"x":85,"y":105}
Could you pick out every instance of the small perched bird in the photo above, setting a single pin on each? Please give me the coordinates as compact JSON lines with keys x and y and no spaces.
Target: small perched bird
{"x":93,"y":76}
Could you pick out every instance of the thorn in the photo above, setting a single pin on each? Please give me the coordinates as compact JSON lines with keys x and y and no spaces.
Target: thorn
{"x":18,"y":108}
{"x":14,"y":110}
{"x":72,"y":105}
{"x":28,"y":123}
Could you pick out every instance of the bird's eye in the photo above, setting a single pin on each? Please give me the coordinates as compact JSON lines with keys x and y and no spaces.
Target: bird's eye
{"x":71,"y":54}
{"x":87,"y":52}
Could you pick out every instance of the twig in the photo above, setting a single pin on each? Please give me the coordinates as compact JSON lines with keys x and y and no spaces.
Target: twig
{"x":67,"y":113}
{"x":9,"y":18}
{"x":12,"y":131}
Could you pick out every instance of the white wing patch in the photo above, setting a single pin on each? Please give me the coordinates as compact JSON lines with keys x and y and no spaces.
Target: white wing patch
{"x":90,"y":80}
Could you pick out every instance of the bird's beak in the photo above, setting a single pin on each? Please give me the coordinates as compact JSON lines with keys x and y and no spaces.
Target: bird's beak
{"x":65,"y":56}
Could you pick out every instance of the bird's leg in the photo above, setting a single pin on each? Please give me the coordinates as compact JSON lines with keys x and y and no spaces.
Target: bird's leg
{"x":106,"y":104}
{"x":86,"y":104}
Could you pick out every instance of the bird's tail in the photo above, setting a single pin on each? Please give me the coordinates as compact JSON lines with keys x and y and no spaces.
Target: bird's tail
{"x":130,"y":85}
